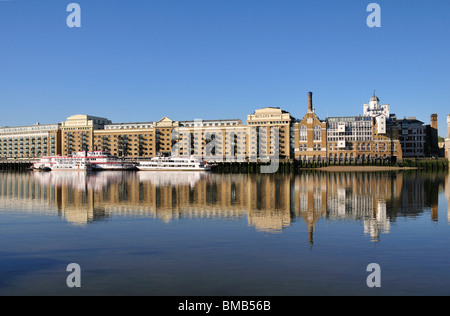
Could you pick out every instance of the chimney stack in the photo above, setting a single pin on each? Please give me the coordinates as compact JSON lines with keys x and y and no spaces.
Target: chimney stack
{"x":434,"y":121}
{"x":310,"y":106}
{"x":434,"y":134}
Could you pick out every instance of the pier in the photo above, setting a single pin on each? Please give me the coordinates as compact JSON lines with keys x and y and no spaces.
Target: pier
{"x":284,"y":166}
{"x":15,"y":165}
{"x":298,"y":166}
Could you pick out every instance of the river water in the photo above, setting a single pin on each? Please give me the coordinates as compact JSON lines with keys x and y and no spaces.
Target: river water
{"x":157,"y":233}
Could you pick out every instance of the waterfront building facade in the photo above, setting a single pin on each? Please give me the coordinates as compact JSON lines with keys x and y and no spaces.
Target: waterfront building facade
{"x":271,"y":131}
{"x":310,"y":136}
{"x":163,"y":136}
{"x":268,"y":133}
{"x":213,"y":140}
{"x":200,"y":138}
{"x":126,"y":139}
{"x":27,"y":142}
{"x":358,"y":138}
{"x":412,"y":135}
{"x":77,"y":132}
{"x":373,"y":135}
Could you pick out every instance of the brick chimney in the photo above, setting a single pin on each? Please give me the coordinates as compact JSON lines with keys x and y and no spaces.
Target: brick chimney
{"x":310,"y":105}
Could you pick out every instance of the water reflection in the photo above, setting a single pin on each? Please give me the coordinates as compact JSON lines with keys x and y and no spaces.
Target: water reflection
{"x":447,"y":193}
{"x":270,"y":203}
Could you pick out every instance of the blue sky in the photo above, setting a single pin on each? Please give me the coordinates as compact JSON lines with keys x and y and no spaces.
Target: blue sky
{"x":141,"y":60}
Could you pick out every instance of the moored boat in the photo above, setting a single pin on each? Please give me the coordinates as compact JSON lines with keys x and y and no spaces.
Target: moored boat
{"x":174,"y":164}
{"x":103,"y":160}
{"x":83,"y":160}
{"x":70,"y":165}
{"x":43,"y":164}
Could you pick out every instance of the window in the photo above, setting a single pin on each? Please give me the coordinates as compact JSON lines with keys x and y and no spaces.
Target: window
{"x":317,"y":132}
{"x":303,"y":133}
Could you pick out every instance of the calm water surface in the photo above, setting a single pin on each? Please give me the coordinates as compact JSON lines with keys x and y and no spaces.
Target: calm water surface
{"x":156,"y":233}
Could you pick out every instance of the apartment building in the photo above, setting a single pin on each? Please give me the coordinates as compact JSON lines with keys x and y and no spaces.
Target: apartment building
{"x":271,"y":131}
{"x":359,"y":138}
{"x":412,"y":135}
{"x":127,"y":139}
{"x":214,"y":140}
{"x":201,"y":138}
{"x":77,"y":132}
{"x":137,"y":139}
{"x":26,"y":142}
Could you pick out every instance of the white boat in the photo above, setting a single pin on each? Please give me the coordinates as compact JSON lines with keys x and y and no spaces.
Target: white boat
{"x":43,"y":164}
{"x":160,"y":178}
{"x":61,"y":163}
{"x":83,"y":160}
{"x":174,"y":164}
{"x":103,"y":160}
{"x":70,"y":164}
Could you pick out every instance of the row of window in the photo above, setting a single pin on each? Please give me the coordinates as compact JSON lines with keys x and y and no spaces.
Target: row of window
{"x":271,"y":122}
{"x":304,"y":147}
{"x":201,"y":123}
{"x":367,"y":137}
{"x":317,"y":133}
{"x":348,"y":146}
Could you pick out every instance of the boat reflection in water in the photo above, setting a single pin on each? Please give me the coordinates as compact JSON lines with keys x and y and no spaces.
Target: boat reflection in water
{"x":170,"y":178}
{"x":270,"y":203}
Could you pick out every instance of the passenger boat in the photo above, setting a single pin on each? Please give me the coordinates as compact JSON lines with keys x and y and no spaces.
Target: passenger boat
{"x":103,"y":160}
{"x":174,"y":164}
{"x":70,"y":165}
{"x":61,"y":163}
{"x":83,"y":160}
{"x":43,"y":164}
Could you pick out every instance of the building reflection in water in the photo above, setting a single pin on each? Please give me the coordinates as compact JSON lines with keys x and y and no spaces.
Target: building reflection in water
{"x":447,"y":193}
{"x":270,"y":203}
